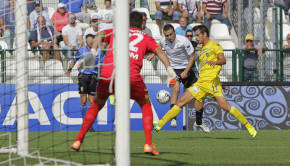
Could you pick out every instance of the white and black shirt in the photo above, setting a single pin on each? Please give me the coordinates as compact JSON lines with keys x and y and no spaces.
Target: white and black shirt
{"x":178,"y":52}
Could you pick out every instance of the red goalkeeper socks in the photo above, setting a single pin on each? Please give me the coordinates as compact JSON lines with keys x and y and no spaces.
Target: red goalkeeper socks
{"x":147,"y":122}
{"x":89,"y":119}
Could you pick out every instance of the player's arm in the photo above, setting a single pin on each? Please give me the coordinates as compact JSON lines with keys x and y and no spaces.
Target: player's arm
{"x":164,"y":59}
{"x":189,"y":65}
{"x":73,"y":62}
{"x":221,"y":60}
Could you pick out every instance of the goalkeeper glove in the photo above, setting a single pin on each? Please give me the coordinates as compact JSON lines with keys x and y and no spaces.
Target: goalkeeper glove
{"x":171,"y":76}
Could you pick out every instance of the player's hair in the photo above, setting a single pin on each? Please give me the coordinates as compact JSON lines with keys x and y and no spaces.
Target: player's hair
{"x":136,"y":19}
{"x":167,"y":27}
{"x":90,"y":35}
{"x":188,"y":30}
{"x":202,"y":29}
{"x":107,"y":0}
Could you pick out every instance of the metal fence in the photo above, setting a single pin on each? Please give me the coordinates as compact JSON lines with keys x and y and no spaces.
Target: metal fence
{"x":272,"y":66}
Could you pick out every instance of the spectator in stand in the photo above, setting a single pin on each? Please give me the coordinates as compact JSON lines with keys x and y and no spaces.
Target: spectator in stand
{"x":190,"y":9}
{"x":286,"y":60}
{"x":285,"y":4}
{"x":287,"y":45}
{"x":7,"y":22}
{"x":38,"y":11}
{"x":59,"y":19}
{"x":166,"y":8}
{"x":43,"y":37}
{"x":181,"y":30}
{"x":213,"y":9}
{"x":144,"y":4}
{"x":79,"y":8}
{"x":30,"y":6}
{"x":72,"y":36}
{"x":106,"y":16}
{"x":250,"y":55}
{"x":94,"y":29}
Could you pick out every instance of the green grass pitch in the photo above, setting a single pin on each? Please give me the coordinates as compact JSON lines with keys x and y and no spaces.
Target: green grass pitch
{"x":177,"y":148}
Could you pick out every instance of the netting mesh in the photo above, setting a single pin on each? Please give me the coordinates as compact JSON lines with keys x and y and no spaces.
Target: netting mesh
{"x":55,"y":111}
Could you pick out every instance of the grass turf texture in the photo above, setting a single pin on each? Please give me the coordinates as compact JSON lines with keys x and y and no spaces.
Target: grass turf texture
{"x":270,"y":147}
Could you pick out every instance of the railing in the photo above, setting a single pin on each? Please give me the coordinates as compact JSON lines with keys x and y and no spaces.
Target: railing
{"x":272,"y":66}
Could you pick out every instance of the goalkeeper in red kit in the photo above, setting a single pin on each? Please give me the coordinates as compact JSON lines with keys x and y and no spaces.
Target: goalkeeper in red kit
{"x":140,"y":43}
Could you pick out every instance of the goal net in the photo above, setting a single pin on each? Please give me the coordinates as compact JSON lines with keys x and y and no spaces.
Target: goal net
{"x":40,"y":106}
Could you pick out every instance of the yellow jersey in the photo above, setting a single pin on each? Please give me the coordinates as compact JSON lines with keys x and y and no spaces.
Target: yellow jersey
{"x":209,"y":52}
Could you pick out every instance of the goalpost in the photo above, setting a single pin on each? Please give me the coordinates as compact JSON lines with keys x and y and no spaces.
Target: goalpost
{"x":121,"y":55}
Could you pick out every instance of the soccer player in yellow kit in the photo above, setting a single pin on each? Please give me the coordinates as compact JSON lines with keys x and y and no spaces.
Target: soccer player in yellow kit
{"x":211,"y":58}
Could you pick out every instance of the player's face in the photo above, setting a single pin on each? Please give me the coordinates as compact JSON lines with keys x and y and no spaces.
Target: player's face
{"x":199,"y":37}
{"x":108,"y":4}
{"x":90,"y":41}
{"x":170,"y":35}
{"x":189,"y":35}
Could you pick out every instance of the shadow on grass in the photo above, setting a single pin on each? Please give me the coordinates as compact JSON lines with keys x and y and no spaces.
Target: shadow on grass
{"x":160,"y":159}
{"x":205,"y":137}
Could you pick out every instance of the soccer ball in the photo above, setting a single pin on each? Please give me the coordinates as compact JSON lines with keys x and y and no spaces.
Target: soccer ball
{"x":163,"y":96}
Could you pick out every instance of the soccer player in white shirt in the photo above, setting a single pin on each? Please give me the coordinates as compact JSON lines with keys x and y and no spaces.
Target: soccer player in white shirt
{"x":181,"y":55}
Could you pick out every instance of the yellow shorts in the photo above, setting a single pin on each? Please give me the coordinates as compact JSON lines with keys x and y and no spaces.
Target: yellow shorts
{"x":201,"y":90}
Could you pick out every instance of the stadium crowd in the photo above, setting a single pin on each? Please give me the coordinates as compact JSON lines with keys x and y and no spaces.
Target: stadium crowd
{"x":66,"y":27}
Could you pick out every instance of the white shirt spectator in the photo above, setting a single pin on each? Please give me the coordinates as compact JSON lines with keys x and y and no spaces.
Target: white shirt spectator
{"x":90,"y":31}
{"x":165,"y":3}
{"x":72,"y":34}
{"x":33,"y":18}
{"x":178,"y":52}
{"x":106,"y":15}
{"x":189,"y":5}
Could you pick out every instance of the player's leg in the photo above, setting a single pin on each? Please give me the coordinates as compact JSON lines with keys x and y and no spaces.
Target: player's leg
{"x":140,"y":94}
{"x":99,"y":102}
{"x":174,"y":111}
{"x":236,"y":113}
{"x":199,"y":115}
{"x":187,"y":82}
{"x":174,"y":96}
{"x":83,"y":91}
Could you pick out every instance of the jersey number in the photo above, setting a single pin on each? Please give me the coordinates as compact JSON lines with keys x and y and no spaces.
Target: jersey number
{"x":134,"y":42}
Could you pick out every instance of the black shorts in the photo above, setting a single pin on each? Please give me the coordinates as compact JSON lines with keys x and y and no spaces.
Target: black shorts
{"x":87,"y":83}
{"x":189,"y":80}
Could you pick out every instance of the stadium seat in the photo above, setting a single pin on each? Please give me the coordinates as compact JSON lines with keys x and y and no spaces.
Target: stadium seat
{"x":269,"y":16}
{"x":144,"y":10}
{"x":41,"y":80}
{"x":53,"y":68}
{"x":154,"y":29}
{"x":258,"y":32}
{"x":50,"y":11}
{"x":257,"y":15}
{"x":147,"y":69}
{"x":63,"y":80}
{"x":34,"y":68}
{"x":10,"y":68}
{"x":286,"y":31}
{"x":228,"y":46}
{"x":194,"y":24}
{"x":152,"y":80}
{"x":175,"y":25}
{"x":219,"y":32}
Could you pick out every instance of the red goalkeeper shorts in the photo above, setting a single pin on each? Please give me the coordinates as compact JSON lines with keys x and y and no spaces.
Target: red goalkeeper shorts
{"x":138,"y":90}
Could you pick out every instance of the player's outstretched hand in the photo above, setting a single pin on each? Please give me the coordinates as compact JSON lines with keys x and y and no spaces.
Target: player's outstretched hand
{"x":171,"y":75}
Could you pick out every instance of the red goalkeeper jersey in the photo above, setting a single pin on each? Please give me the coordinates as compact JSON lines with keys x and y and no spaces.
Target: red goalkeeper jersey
{"x":140,"y":43}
